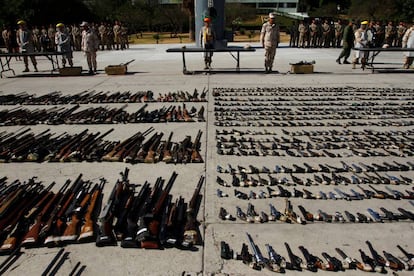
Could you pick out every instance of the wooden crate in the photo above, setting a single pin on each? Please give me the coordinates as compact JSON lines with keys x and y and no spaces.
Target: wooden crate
{"x":70,"y":71}
{"x":116,"y":69}
{"x":302,"y":69}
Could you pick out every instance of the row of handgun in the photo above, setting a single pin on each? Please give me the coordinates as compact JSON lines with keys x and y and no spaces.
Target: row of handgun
{"x":87,"y":97}
{"x":290,"y":216}
{"x":274,"y":149}
{"x":245,"y":180}
{"x":277,"y":263}
{"x":313,"y":91}
{"x":280,"y":191}
{"x":24,"y":146}
{"x":31,"y":215}
{"x":343,"y":124}
{"x":99,"y":115}
{"x":356,"y":103}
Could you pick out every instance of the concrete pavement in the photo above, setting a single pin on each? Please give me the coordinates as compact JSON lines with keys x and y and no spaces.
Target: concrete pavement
{"x":161,"y":72}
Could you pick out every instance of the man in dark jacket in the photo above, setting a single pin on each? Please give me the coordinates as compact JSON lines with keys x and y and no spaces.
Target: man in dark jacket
{"x":347,"y":44}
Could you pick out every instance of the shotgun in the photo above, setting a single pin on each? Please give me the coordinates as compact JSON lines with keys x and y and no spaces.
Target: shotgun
{"x":191,"y":236}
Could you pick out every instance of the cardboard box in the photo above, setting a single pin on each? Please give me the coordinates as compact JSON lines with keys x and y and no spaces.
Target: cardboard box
{"x":116,"y":69}
{"x":70,"y":71}
{"x":302,"y":69}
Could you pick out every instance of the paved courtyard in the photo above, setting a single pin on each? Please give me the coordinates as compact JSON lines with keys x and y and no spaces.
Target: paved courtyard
{"x":335,"y":105}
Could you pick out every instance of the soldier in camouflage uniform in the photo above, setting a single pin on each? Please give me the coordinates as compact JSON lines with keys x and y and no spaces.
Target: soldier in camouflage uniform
{"x":339,"y":32}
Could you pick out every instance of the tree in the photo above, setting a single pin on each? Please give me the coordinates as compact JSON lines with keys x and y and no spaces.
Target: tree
{"x":380,"y":9}
{"x":405,"y":10}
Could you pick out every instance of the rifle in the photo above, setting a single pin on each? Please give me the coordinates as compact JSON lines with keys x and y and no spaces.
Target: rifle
{"x":191,"y":236}
{"x":150,"y":157}
{"x":54,"y":227}
{"x":145,"y":147}
{"x":32,"y":236}
{"x":72,"y":230}
{"x":186,"y":115}
{"x":163,"y":235}
{"x":134,"y":117}
{"x":393,"y":262}
{"x":68,"y":145}
{"x":106,"y":235}
{"x":154,"y":218}
{"x":88,"y":228}
{"x":166,"y":155}
{"x":295,"y":261}
{"x":195,"y":150}
{"x":259,"y":261}
{"x":132,"y":218}
{"x":20,"y":223}
{"x":381,"y":194}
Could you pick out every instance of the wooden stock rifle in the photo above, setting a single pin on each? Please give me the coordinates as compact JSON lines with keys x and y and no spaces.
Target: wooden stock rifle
{"x":166,"y":154}
{"x":195,"y":150}
{"x":56,"y":223}
{"x":191,"y":234}
{"x":88,"y":228}
{"x":150,"y":157}
{"x":32,"y":236}
{"x":70,"y":143}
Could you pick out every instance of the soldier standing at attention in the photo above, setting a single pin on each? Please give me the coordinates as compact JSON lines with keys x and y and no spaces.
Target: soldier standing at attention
{"x":63,"y":44}
{"x":207,"y":38}
{"x":313,"y":27}
{"x":117,"y":34}
{"x":77,"y":37}
{"x":102,"y":36}
{"x":326,"y":34}
{"x":401,"y":29}
{"x":303,"y":31}
{"x":348,"y":43}
{"x":339,"y":32}
{"x":269,"y":38}
{"x":25,"y":41}
{"x":90,"y":45}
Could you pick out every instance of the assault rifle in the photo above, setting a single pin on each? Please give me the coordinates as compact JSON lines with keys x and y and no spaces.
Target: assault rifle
{"x":191,"y":235}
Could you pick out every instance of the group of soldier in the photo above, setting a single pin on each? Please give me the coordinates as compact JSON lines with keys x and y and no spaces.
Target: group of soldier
{"x":111,"y":37}
{"x":326,"y":33}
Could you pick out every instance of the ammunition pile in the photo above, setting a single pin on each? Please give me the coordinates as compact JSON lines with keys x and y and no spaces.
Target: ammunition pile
{"x":276,"y":262}
{"x":31,"y":215}
{"x":24,"y":146}
{"x":99,"y":115}
{"x":87,"y":97}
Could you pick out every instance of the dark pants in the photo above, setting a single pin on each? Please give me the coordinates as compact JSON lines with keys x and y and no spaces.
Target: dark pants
{"x":346,"y":52}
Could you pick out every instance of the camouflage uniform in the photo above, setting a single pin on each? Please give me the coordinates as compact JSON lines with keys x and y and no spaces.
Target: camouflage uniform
{"x":117,"y":34}
{"x":303,"y":33}
{"x":339,"y":31}
{"x":401,"y":29}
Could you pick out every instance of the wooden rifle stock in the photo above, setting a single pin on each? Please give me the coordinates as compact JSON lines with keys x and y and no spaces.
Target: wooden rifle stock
{"x":195,"y":151}
{"x":150,"y":158}
{"x":166,"y":154}
{"x":73,"y":226}
{"x":191,"y":236}
{"x":69,"y":144}
{"x":88,"y":228}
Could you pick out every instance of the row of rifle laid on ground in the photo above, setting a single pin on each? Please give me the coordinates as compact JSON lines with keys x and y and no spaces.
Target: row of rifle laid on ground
{"x":25,"y":146}
{"x":88,"y":97}
{"x":290,"y":216}
{"x":314,"y":91}
{"x":31,"y":215}
{"x":275,"y":262}
{"x":99,"y":115}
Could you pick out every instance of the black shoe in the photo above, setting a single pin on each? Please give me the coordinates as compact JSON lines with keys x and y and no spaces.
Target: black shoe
{"x":90,"y":72}
{"x":338,"y":61}
{"x":346,"y":62}
{"x":26,"y":70}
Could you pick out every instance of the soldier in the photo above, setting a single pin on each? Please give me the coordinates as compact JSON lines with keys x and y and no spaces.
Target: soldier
{"x":390,"y":33}
{"x":363,"y":38}
{"x":117,"y":34}
{"x":110,"y":37}
{"x":348,"y":43}
{"x":25,"y":41}
{"x":380,"y":34}
{"x":124,"y":37}
{"x":313,"y":29}
{"x":76,"y":37}
{"x":36,"y":38}
{"x":293,"y":30}
{"x":51,"y":34}
{"x":207,"y":39}
{"x":90,"y":45}
{"x":6,"y":38}
{"x":303,"y":33}
{"x":62,"y":41}
{"x":270,"y":38}
{"x":401,"y":29}
{"x":339,"y":32}
{"x":102,"y":36}
{"x":326,"y":34}
{"x":408,"y":42}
